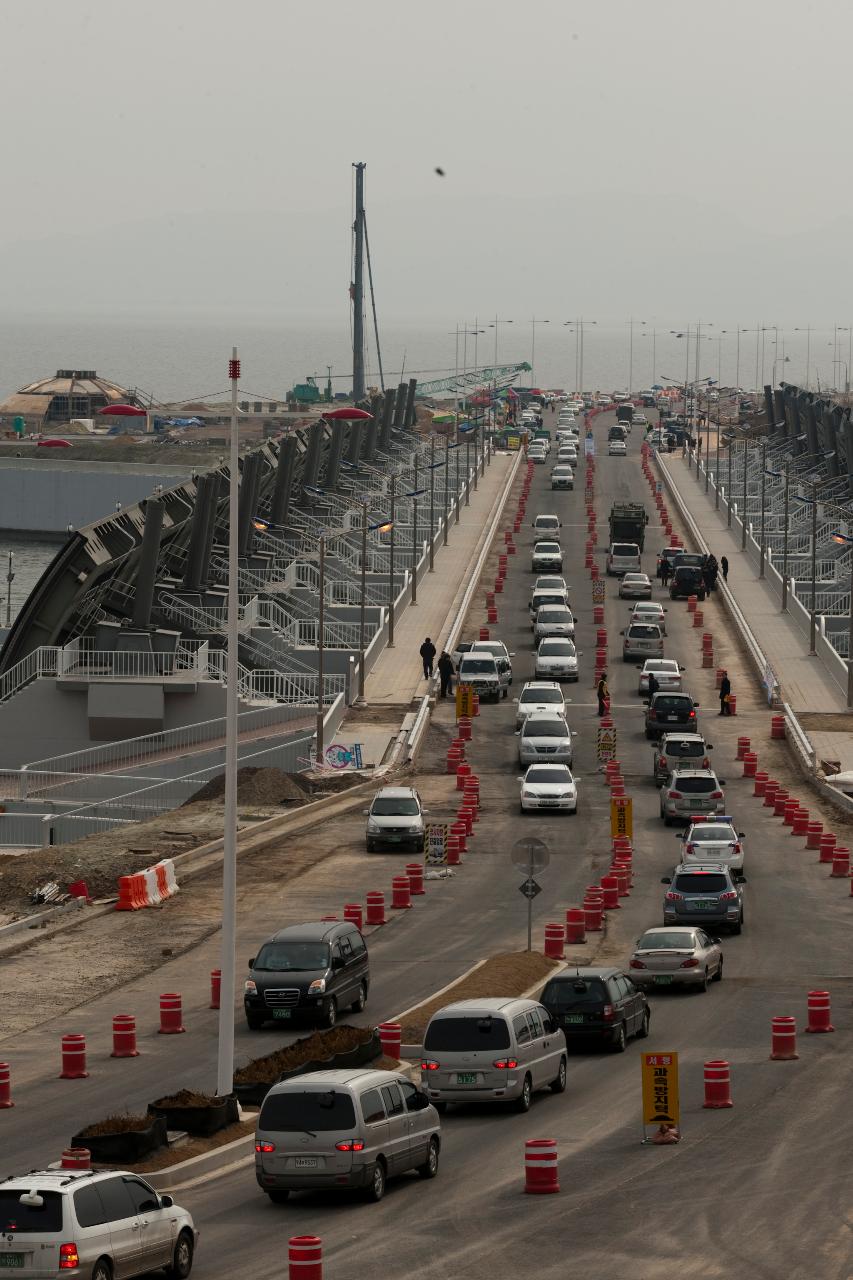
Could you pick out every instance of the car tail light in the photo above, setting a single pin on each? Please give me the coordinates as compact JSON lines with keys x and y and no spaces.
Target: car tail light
{"x":738,"y":847}
{"x":265,"y":1148}
{"x":653,"y":715}
{"x":706,"y":763}
{"x":730,"y":896}
{"x":674,"y":897}
{"x":692,"y":715}
{"x":69,"y":1257}
{"x":637,"y":964}
{"x":689,"y":964}
{"x":661,"y":759}
{"x":690,"y":848}
{"x":349,"y":1144}
{"x":506,"y":1064}
{"x":429,"y":1064}
{"x":673,"y":795}
{"x":716,"y":795}
{"x":607,"y":1013}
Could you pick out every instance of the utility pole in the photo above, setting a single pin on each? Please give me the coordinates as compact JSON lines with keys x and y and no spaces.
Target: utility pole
{"x":321,"y":651}
{"x":10,"y":578}
{"x":361,"y":618}
{"x":391,"y":565}
{"x":358,"y":289}
{"x":415,"y":534}
{"x":225,"y":1054}
{"x":432,"y":503}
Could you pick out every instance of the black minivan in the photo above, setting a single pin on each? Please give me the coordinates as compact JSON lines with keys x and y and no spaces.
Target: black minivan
{"x":597,"y":1003}
{"x":687,"y":580}
{"x":307,"y":971}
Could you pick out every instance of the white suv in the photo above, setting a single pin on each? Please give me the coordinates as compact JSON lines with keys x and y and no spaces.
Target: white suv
{"x":65,"y":1222}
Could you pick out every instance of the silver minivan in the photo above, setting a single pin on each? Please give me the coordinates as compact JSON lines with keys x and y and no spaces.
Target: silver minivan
{"x":64,"y":1222}
{"x":642,"y":640}
{"x":333,"y":1130}
{"x":492,"y":1050}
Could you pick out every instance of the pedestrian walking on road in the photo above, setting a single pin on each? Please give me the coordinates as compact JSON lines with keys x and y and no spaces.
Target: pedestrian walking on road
{"x":603,"y":694}
{"x":445,"y":671}
{"x":724,"y":565}
{"x":725,"y":694}
{"x":427,"y":652}
{"x":665,"y":571}
{"x":653,"y":685}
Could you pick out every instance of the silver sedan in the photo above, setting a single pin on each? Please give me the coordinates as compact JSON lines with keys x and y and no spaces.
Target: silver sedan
{"x":676,"y":956}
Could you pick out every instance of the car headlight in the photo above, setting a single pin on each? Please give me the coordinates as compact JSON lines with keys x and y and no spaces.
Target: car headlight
{"x":317,"y":987}
{"x":372,"y":826}
{"x":250,"y":988}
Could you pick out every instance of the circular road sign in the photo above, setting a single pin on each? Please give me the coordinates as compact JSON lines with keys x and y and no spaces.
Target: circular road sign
{"x":530,"y":855}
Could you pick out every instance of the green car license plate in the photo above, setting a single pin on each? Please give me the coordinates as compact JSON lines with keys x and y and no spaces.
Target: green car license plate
{"x":663,"y":978}
{"x":282,"y":1013}
{"x":704,"y":906}
{"x":466,"y":1077}
{"x":570,"y":1018}
{"x":14,"y":1261}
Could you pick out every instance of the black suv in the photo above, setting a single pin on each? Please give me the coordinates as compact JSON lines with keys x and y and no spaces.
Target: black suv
{"x":687,"y":581}
{"x":666,"y":712}
{"x":597,"y":1003}
{"x":307,"y":971}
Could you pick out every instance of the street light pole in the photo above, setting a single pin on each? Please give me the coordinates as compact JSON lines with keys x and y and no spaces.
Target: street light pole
{"x":225,"y":1052}
{"x":10,"y":578}
{"x":468,"y":470}
{"x":717,"y":464}
{"x":743,"y":512}
{"x":321,"y":651}
{"x":432,"y":503}
{"x":446,"y":487}
{"x":458,"y":485}
{"x":729,"y":485}
{"x":415,"y":536}
{"x":785,"y":538}
{"x":763,"y":547}
{"x":361,"y":619}
{"x":391,"y":565}
{"x":813,"y":603}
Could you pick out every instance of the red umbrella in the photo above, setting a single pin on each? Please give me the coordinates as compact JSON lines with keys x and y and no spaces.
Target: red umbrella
{"x":123,"y":411}
{"x":346,"y":413}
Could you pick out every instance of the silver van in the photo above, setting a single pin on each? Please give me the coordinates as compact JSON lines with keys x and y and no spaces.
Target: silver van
{"x":623,"y":557}
{"x":333,"y":1130}
{"x":545,"y":739}
{"x":642,"y":640}
{"x":63,"y":1222}
{"x":482,"y":672}
{"x":492,"y":1050}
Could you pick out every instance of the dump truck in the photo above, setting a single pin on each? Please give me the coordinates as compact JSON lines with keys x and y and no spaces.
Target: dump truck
{"x":628,"y":522}
{"x":625,"y":413}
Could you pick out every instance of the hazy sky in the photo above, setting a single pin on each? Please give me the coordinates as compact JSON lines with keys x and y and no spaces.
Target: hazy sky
{"x":662,"y":158}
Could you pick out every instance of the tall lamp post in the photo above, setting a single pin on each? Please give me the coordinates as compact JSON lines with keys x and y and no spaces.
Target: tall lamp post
{"x":763,"y":546}
{"x":391,"y":564}
{"x":432,"y":466}
{"x":225,"y":1052}
{"x":362,"y":631}
{"x":844,"y":539}
{"x":10,"y":578}
{"x":534,"y":323}
{"x":786,"y":476}
{"x":321,"y":646}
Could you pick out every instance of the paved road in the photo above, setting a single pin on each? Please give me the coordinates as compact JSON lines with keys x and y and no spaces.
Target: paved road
{"x":756,"y":1191}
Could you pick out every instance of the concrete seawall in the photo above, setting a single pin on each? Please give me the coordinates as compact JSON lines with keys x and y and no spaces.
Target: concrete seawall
{"x":46,"y":495}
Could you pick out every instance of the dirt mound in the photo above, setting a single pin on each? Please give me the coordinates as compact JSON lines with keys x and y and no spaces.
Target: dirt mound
{"x":258,"y":786}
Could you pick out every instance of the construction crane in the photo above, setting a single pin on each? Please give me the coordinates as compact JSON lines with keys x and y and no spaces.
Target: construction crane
{"x":501,"y":375}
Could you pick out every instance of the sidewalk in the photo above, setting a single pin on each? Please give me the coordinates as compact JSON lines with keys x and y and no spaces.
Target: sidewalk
{"x":397,"y":676}
{"x":804,"y":682}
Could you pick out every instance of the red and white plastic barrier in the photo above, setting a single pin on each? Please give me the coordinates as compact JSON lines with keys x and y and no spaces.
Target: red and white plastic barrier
{"x":147,"y":888}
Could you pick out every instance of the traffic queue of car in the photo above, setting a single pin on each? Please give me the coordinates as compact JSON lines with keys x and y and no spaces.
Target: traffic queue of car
{"x":355,"y":1129}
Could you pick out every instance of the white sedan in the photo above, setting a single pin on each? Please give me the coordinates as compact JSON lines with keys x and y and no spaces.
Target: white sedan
{"x":553,"y":620}
{"x":667,"y":672}
{"x":539,"y":697}
{"x":617,"y":449}
{"x":556,"y":659}
{"x":635,"y":586}
{"x":549,"y":786}
{"x":649,"y":611}
{"x":676,"y":956}
{"x":713,"y":840}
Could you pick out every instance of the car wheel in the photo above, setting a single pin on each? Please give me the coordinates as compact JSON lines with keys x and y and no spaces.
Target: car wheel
{"x":506,"y":693}
{"x":440,"y":1106}
{"x":559,"y":1084}
{"x":329,"y":1014}
{"x":703,"y":985}
{"x":182,"y":1258}
{"x":371,"y":847}
{"x":279,"y":1197}
{"x":522,"y":1102}
{"x":718,"y":976}
{"x":643,"y":1032}
{"x":619,"y":1040}
{"x":430,"y":1166}
{"x":254,"y":1021}
{"x":103,"y":1270}
{"x":521,"y":809}
{"x":360,"y":1000}
{"x":376,"y":1185}
{"x":738,"y":928}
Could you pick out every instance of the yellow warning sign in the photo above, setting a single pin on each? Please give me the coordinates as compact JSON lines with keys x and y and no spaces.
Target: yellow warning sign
{"x":622,"y":816}
{"x":660,"y":1088}
{"x":464,"y":700}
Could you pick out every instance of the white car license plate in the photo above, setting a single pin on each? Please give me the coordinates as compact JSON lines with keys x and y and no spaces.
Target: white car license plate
{"x":13,"y":1261}
{"x":304,"y":1162}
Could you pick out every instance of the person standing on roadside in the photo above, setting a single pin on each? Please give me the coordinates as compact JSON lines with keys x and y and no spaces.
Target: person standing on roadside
{"x":724,"y":565}
{"x":427,"y":652}
{"x":653,"y":685}
{"x":603,"y":694}
{"x":445,"y":671}
{"x":665,"y":570}
{"x":725,"y":694}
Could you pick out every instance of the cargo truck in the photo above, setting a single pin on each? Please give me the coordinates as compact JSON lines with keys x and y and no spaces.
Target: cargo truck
{"x":628,"y":522}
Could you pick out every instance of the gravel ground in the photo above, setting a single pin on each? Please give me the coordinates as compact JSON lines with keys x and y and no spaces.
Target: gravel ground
{"x":504,"y":975}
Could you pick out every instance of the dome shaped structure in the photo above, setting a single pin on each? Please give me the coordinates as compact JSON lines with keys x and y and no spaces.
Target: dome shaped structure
{"x":71,"y":393}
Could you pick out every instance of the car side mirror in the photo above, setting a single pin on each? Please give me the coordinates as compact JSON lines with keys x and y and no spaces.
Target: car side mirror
{"x":251,"y":963}
{"x":621,"y":633}
{"x":741,"y":879}
{"x":365,"y":813}
{"x":695,"y":704}
{"x":151,"y":1205}
{"x":683,"y":669}
{"x":166,"y":1202}
{"x":424,"y":810}
{"x":666,"y":879}
{"x":646,"y":704}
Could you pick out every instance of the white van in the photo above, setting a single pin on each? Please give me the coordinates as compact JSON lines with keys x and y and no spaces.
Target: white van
{"x":496,"y":1049}
{"x":623,"y":557}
